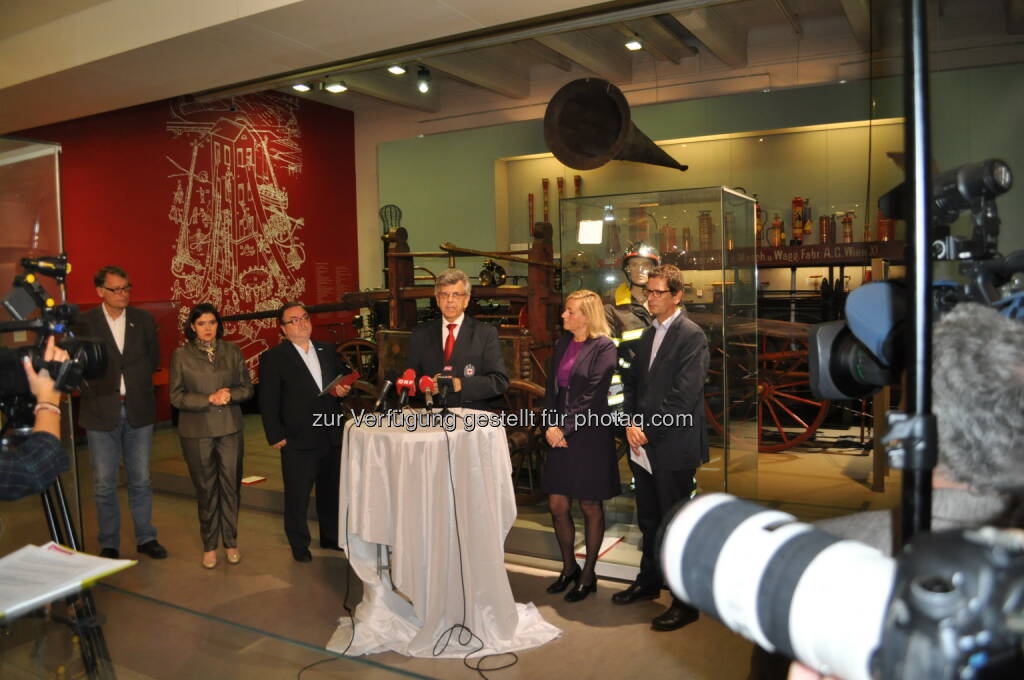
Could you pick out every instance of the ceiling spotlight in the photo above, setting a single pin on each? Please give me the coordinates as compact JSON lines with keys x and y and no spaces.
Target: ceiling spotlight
{"x":843,"y":81}
{"x":634,"y":45}
{"x":336,"y":88}
{"x":396,"y":70}
{"x":423,"y":80}
{"x":301,"y":87}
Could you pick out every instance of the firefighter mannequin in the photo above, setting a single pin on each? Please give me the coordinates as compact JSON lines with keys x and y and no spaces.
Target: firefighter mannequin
{"x":628,"y":316}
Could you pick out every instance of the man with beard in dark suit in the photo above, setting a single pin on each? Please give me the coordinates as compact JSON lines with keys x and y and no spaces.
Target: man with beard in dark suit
{"x":118,"y":411}
{"x":665,"y":389}
{"x":305,"y":427}
{"x":460,"y":342}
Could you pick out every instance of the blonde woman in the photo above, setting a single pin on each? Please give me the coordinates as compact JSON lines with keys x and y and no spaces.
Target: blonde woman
{"x":581,"y":463}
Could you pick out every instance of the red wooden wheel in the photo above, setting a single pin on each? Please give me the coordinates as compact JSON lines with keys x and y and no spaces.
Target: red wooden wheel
{"x":787,"y":414}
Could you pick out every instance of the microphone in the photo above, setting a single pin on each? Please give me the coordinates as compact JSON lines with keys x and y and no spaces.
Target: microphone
{"x":444,"y":386}
{"x":406,"y":387}
{"x":382,"y":397}
{"x":427,"y":387}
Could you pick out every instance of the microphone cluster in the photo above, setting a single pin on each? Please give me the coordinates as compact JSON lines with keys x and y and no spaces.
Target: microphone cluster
{"x":405,"y":388}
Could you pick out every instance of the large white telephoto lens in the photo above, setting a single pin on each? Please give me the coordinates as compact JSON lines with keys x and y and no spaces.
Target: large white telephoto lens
{"x":780,"y":583}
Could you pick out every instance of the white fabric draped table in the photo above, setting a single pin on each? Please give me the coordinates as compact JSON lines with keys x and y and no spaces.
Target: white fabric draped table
{"x":447,"y":549}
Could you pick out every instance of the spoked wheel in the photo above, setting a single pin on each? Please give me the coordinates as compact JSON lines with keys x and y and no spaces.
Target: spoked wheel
{"x":361,"y":398}
{"x":526,"y":440}
{"x":361,"y":355}
{"x":780,"y":399}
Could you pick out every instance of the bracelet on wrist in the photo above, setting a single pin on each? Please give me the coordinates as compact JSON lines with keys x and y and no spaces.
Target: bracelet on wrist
{"x":46,"y":406}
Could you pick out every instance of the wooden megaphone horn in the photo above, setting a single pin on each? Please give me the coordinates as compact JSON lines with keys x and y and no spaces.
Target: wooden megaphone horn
{"x":587,"y":124}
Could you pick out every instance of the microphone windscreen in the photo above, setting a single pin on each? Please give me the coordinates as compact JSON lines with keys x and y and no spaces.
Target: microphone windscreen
{"x":427,"y":384}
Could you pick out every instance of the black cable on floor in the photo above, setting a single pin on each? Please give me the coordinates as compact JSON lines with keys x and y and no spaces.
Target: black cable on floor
{"x":466,"y":635}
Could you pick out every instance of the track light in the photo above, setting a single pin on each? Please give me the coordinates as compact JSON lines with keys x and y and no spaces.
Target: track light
{"x":423,"y":80}
{"x":396,"y":70}
{"x":301,"y":87}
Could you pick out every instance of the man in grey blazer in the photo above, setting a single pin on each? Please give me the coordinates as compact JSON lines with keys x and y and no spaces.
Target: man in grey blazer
{"x":664,"y":394}
{"x":118,"y":411}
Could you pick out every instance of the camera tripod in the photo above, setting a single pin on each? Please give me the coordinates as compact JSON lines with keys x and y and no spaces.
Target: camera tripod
{"x":85,"y":621}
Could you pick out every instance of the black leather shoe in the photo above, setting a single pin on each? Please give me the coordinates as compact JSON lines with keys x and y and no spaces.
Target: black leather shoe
{"x":327,"y":545}
{"x":635,"y":592}
{"x":580,"y":591}
{"x":563,"y":580}
{"x":675,"y":617}
{"x":111,"y":553}
{"x":302,"y":555}
{"x":153,"y":549}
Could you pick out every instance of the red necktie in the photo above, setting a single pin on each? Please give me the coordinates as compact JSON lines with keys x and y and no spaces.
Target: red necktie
{"x":449,"y":343}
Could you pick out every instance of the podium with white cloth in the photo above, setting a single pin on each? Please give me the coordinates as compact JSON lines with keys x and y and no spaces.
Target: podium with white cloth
{"x":437,"y":495}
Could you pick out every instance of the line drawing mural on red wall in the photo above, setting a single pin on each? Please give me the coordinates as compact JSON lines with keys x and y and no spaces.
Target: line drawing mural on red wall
{"x":238,"y":247}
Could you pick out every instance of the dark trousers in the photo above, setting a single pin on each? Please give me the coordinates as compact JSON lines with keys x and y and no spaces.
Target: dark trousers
{"x":215,"y":465}
{"x":655,"y":495}
{"x":300,"y":470}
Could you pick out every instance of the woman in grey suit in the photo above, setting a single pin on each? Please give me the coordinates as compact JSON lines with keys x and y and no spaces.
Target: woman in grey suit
{"x":209,"y":379}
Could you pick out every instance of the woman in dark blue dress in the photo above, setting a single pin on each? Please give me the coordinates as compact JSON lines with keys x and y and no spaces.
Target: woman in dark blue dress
{"x":581,"y":463}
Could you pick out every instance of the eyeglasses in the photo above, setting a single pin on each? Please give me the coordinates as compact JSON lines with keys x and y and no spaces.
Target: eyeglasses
{"x":654,"y":292}
{"x":299,"y":319}
{"x":118,"y":291}
{"x":450,"y":296}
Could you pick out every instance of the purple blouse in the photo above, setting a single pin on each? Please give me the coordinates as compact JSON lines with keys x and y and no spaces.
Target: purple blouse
{"x":568,"y":359}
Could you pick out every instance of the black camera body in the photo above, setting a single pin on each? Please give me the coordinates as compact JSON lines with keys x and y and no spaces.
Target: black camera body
{"x":957,"y":608}
{"x":855,"y":357}
{"x":87,"y":358}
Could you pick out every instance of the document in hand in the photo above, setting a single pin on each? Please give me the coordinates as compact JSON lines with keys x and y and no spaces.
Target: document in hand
{"x":639,"y":456}
{"x":35,"y":575}
{"x":342,"y":379}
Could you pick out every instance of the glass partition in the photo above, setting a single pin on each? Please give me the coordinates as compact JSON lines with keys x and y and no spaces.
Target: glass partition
{"x":709,"y":234}
{"x":30,"y":226}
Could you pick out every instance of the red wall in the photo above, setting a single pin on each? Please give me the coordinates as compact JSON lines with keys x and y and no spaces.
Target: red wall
{"x":276,"y":222}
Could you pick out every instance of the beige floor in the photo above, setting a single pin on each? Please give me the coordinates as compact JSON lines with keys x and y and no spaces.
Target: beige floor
{"x":269,"y":616}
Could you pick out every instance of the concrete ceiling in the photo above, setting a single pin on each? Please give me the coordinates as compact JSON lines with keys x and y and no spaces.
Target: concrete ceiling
{"x":64,"y":59}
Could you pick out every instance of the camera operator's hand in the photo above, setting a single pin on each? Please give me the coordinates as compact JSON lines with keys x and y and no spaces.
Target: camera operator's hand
{"x":44,"y":390}
{"x":798,"y":671}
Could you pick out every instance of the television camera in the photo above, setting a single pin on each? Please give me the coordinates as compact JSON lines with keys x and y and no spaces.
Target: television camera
{"x":87,"y":358}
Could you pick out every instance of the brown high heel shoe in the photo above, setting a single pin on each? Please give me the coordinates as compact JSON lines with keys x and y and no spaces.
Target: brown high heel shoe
{"x":210,"y":559}
{"x":234,"y":557}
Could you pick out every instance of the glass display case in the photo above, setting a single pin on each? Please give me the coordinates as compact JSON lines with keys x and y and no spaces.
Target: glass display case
{"x":709,"y":233}
{"x":30,"y":226}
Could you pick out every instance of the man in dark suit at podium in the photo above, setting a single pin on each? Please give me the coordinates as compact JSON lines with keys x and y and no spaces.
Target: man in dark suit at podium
{"x":458,"y":341}
{"x":305,"y":427}
{"x":666,"y":388}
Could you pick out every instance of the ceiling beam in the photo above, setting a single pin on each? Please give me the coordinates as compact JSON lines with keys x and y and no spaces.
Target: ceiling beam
{"x":400,"y":90}
{"x":544,"y":53}
{"x":789,"y":16}
{"x":858,"y":15}
{"x":724,"y":40}
{"x":612,"y":64}
{"x":657,"y":39}
{"x":477,"y":69}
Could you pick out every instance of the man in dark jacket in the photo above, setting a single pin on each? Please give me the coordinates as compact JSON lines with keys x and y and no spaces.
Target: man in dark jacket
{"x":118,"y":411}
{"x":467,"y":348}
{"x":664,"y":397}
{"x":304,"y":426}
